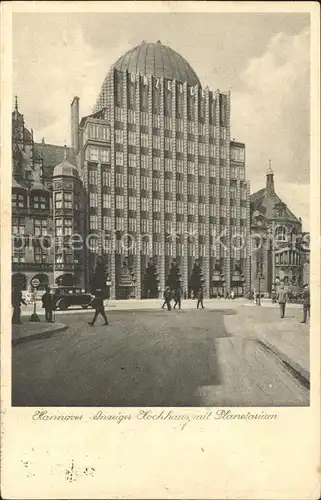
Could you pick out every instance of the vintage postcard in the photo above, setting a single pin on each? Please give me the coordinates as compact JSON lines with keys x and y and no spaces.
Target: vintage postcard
{"x":160,"y":250}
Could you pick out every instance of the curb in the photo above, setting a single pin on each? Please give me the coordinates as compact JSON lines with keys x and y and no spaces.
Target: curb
{"x":302,"y":375}
{"x":39,"y":336}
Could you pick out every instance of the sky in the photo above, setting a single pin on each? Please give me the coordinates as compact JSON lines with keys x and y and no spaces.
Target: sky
{"x":263,"y":59}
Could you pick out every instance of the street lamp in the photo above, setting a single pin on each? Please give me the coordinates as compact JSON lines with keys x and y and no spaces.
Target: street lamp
{"x":260,"y":277}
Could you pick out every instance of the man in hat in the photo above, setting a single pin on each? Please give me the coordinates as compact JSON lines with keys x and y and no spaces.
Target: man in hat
{"x":200,"y":296}
{"x":98,"y":304}
{"x":282,"y":299}
{"x":177,"y":298}
{"x":47,"y":304}
{"x":306,"y":302}
{"x":17,"y":300}
{"x":167,"y":298}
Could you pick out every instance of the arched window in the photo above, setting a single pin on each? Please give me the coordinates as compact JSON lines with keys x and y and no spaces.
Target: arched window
{"x":18,"y":200}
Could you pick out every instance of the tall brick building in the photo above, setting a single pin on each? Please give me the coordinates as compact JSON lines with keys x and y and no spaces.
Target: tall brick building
{"x":164,"y":183}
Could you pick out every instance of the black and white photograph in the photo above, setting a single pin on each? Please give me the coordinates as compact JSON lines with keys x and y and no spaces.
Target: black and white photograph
{"x":160,"y":250}
{"x":160,"y":209}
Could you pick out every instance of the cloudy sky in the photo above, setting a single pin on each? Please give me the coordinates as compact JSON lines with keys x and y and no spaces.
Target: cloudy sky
{"x":263,"y":59}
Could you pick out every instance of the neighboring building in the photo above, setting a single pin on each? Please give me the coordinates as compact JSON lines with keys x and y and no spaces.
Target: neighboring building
{"x":276,"y":234}
{"x":32,"y":216}
{"x":69,"y":221}
{"x":163,"y":179}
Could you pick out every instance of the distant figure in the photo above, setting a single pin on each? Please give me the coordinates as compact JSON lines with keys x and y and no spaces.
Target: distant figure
{"x":273,"y":297}
{"x":168,"y":298}
{"x":177,"y":298}
{"x":218,"y":295}
{"x":98,"y":304}
{"x":306,"y":302}
{"x":232,"y":295}
{"x":47,"y":304}
{"x":185,"y":295}
{"x":226,"y":295}
{"x":17,"y":300}
{"x":200,"y":297}
{"x":164,"y":297}
{"x":282,"y":300}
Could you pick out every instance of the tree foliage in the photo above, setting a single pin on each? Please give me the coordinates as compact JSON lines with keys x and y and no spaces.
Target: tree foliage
{"x":196,"y":280}
{"x":151,"y":281}
{"x":174,"y":277}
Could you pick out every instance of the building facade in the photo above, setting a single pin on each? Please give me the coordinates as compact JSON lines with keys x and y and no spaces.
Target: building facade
{"x":164,"y":184}
{"x":32,"y":209}
{"x":280,"y":251}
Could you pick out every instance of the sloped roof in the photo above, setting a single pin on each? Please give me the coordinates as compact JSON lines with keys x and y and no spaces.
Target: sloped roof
{"x":265,"y":204}
{"x":53,"y":155}
{"x":16,"y":184}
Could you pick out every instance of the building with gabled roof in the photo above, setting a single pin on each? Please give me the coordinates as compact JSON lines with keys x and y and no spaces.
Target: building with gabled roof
{"x":276,"y":257}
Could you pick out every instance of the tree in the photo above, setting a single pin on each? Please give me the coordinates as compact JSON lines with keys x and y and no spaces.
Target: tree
{"x":174,"y":277}
{"x":196,"y":280}
{"x":151,"y":281}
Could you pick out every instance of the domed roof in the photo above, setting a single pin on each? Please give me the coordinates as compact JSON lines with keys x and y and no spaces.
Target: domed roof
{"x":158,"y":60}
{"x":65,"y":169}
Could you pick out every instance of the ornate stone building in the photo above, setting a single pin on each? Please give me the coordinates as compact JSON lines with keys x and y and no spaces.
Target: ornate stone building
{"x":164,"y":183}
{"x":279,"y":248}
{"x":32,"y":211}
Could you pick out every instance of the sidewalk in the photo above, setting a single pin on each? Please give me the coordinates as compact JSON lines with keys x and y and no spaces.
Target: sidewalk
{"x":286,"y":338}
{"x":35,"y":331}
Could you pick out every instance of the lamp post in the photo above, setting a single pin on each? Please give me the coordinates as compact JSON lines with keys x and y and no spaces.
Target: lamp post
{"x":35,"y":284}
{"x":259,"y":277}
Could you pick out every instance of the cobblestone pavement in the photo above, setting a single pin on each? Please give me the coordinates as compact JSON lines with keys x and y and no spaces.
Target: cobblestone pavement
{"x":210,"y":357}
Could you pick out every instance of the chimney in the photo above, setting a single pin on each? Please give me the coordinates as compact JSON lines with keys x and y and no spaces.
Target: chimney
{"x":74,"y":115}
{"x":270,"y":181}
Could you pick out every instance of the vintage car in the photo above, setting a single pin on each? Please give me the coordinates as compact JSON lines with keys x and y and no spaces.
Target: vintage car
{"x":64,"y":297}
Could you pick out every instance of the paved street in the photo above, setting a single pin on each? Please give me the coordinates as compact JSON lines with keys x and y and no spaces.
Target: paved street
{"x":209,"y":357}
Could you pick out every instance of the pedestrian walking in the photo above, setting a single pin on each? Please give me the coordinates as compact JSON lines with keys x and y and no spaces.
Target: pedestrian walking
{"x":306,"y":302}
{"x":177,"y":298}
{"x":232,"y":295}
{"x":17,"y":300}
{"x":168,"y":298}
{"x":164,"y":297}
{"x":200,"y":297}
{"x":98,"y":304}
{"x":282,"y":300}
{"x":47,"y":304}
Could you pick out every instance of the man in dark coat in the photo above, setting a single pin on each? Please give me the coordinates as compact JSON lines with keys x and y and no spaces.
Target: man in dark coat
{"x":177,"y":298}
{"x":17,"y":300}
{"x":47,"y":304}
{"x":282,"y":299}
{"x":200,"y":296}
{"x":306,"y":302}
{"x":168,"y":298}
{"x":98,"y":304}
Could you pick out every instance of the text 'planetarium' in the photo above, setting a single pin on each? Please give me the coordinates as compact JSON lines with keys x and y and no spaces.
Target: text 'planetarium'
{"x":165,"y":190}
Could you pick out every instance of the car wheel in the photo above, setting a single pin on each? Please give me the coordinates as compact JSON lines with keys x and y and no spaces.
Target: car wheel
{"x":63,"y":306}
